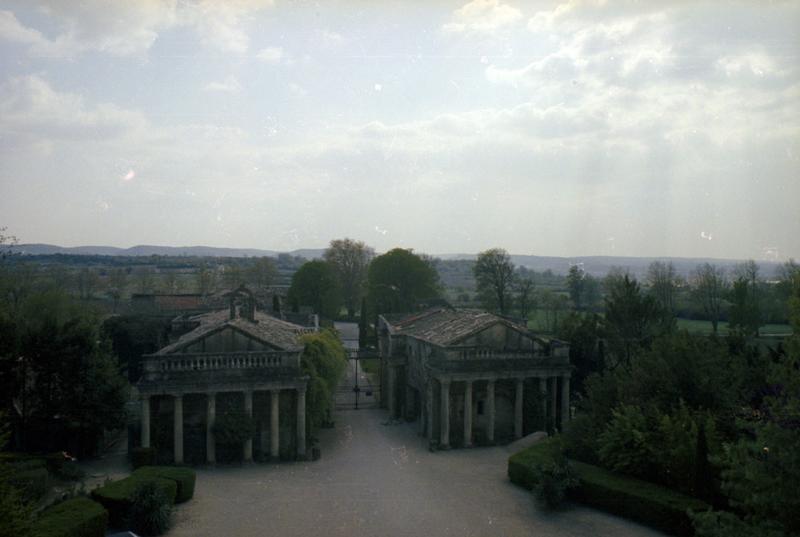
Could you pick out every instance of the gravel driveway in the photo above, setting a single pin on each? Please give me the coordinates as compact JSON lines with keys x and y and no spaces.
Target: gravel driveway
{"x":380,"y":480}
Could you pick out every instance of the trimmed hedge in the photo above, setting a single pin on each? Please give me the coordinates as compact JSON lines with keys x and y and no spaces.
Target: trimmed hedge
{"x":32,"y":484}
{"x":116,"y":496}
{"x":184,"y":478}
{"x":143,"y":456}
{"x":78,"y":517}
{"x":650,"y":504}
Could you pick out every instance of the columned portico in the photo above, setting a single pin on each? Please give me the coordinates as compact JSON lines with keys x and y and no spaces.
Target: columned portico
{"x":444,"y":442}
{"x":468,"y":413}
{"x":145,"y":421}
{"x":301,"y":423}
{"x":543,"y":396}
{"x":518,"y":408}
{"x":564,"y":401}
{"x":491,"y":412}
{"x":178,"y":428}
{"x":248,"y":411}
{"x":391,"y":395}
{"x":274,"y":429}
{"x":211,"y":418}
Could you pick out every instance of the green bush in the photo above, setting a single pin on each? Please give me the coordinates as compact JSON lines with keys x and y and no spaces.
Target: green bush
{"x":32,"y":484}
{"x":555,"y":480}
{"x":184,"y":478}
{"x":650,"y":504}
{"x":117,"y":496}
{"x":143,"y":456}
{"x":78,"y":517}
{"x":522,"y":465}
{"x":150,"y":509}
{"x":638,"y":500}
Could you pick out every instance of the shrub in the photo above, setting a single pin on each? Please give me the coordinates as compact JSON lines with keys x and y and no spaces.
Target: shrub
{"x":184,"y":479}
{"x":143,"y":456}
{"x":150,"y":509}
{"x":650,"y":504}
{"x":632,"y":498}
{"x":117,"y":496}
{"x":32,"y":484}
{"x":555,"y":480}
{"x":78,"y":517}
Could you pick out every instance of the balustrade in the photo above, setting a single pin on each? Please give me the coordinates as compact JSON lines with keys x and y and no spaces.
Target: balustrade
{"x":221,"y":361}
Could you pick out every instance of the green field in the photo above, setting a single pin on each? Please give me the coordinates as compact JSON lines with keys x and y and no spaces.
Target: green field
{"x":704,"y":327}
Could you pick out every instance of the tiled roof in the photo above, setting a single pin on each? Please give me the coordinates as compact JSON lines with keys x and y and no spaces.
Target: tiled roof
{"x":267,"y":329}
{"x":447,"y":326}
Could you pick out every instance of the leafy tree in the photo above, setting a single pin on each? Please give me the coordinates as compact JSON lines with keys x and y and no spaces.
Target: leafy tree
{"x":399,"y":280}
{"x":88,"y":281}
{"x":232,"y":275}
{"x":525,"y":295}
{"x":262,"y":274}
{"x":350,"y":260}
{"x":324,"y":360}
{"x":762,"y":468}
{"x":576,"y":285}
{"x":708,"y":290}
{"x":315,"y":284}
{"x":584,"y":333}
{"x":632,"y":319}
{"x":15,"y":513}
{"x":744,"y":312}
{"x":60,"y":374}
{"x":494,"y":275}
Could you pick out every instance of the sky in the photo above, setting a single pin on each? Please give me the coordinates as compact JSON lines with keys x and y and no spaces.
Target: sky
{"x":545,"y":128}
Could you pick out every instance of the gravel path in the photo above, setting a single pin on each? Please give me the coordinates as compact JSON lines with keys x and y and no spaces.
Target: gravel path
{"x":380,"y":480}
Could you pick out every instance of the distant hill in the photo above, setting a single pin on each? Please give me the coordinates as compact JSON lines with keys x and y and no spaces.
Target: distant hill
{"x":595,"y":265}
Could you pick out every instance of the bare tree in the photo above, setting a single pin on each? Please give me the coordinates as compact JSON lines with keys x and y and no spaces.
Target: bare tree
{"x":144,"y":280}
{"x":261,"y":274}
{"x":708,"y":289}
{"x":117,"y":282}
{"x":494,"y":274}
{"x":525,"y":288}
{"x":349,"y":260}
{"x":206,"y":279}
{"x":663,"y":281}
{"x":88,"y":281}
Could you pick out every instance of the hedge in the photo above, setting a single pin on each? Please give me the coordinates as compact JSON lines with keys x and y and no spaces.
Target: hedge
{"x":650,"y":504}
{"x":116,"y":496}
{"x":32,"y":484}
{"x":143,"y":456}
{"x":78,"y":517}
{"x":184,"y":478}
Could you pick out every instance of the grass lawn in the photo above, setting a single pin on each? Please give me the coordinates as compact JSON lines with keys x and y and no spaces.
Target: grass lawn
{"x":704,"y":327}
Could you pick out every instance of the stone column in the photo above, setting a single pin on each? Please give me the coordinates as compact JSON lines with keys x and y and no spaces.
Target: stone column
{"x":468,"y":413}
{"x":444,"y":405}
{"x":543,"y":393}
{"x":248,"y":411}
{"x":518,"y":409}
{"x":554,"y":402}
{"x":429,"y":410}
{"x":178,"y":428}
{"x":301,"y":422}
{"x":564,"y":401}
{"x":490,"y":411}
{"x":274,"y":425}
{"x":391,"y":393}
{"x":145,"y":421}
{"x":211,"y":418}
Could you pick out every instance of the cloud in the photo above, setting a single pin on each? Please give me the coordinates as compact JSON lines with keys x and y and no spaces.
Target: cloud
{"x":229,"y":85}
{"x":481,"y":17}
{"x":271,"y":55}
{"x":31,"y":110}
{"x":131,"y":28}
